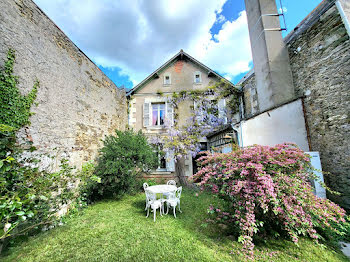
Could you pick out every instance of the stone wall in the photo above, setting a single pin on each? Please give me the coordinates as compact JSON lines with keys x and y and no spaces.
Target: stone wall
{"x":77,"y":104}
{"x":320,"y":61}
{"x":319,"y":51}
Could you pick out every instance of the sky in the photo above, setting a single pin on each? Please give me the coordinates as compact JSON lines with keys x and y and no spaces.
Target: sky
{"x":129,"y":39}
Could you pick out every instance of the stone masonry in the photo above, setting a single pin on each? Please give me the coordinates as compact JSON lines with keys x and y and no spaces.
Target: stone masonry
{"x":319,"y":51}
{"x":77,"y":104}
{"x":320,"y":61}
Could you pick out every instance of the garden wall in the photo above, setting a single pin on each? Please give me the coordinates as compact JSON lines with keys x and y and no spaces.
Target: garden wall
{"x":77,"y":104}
{"x":319,"y":51}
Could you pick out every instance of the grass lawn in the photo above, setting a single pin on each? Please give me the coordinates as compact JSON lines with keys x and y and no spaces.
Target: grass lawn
{"x":119,"y":231}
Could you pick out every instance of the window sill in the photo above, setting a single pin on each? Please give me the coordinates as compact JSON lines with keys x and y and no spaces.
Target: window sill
{"x":166,"y":84}
{"x":161,"y":172}
{"x":195,"y":83}
{"x":157,"y":127}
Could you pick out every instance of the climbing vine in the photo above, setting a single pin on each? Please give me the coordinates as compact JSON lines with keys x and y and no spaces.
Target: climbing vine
{"x":14,"y":107}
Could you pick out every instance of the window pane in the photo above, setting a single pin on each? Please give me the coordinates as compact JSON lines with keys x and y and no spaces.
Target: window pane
{"x":154,"y":117}
{"x":162,"y":163}
{"x":167,"y":80}
{"x":162,"y":115}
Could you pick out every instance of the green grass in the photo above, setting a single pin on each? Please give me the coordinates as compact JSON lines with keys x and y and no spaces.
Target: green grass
{"x":119,"y":231}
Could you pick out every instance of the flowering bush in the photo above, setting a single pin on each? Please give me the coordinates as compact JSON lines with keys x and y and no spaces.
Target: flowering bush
{"x":268,"y":190}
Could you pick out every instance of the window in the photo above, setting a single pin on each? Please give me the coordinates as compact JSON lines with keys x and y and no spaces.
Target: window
{"x":167,"y":79}
{"x":158,"y":114}
{"x":197,"y":77}
{"x":161,"y":157}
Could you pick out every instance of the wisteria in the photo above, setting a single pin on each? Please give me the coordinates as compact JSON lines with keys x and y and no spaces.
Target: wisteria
{"x":184,"y":139}
{"x":268,"y":189}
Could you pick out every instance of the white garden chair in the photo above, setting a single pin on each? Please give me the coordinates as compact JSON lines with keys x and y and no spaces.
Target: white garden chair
{"x":145,"y":185}
{"x":153,"y":203}
{"x":174,"y":200}
{"x":172,"y":183}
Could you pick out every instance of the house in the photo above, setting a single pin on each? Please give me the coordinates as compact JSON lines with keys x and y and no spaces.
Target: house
{"x":150,"y":111}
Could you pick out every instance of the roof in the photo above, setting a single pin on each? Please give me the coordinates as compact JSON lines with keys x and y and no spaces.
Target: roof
{"x":221,"y":129}
{"x":180,"y":54}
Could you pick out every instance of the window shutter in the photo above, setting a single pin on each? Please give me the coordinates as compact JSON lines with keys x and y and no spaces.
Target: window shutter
{"x":170,"y":161}
{"x":170,"y":113}
{"x":146,"y":114}
{"x":221,"y":108}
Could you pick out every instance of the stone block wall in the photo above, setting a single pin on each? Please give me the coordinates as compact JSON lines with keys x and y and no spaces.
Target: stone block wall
{"x":319,"y":52}
{"x":320,"y":62}
{"x":77,"y":104}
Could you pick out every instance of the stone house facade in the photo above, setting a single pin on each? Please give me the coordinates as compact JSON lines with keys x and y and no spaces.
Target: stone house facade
{"x":150,"y":112}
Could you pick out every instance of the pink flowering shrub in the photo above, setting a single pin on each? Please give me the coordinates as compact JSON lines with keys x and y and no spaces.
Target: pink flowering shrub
{"x":267,"y":190}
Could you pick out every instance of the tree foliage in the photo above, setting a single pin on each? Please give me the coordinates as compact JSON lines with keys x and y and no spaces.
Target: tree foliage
{"x":122,"y":159}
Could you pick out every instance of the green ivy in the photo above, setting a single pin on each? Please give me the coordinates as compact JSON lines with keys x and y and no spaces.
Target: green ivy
{"x":14,"y":107}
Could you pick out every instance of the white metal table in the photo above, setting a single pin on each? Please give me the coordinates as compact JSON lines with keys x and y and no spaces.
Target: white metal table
{"x":161,"y":189}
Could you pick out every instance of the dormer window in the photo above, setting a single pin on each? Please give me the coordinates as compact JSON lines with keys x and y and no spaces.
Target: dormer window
{"x":167,"y":79}
{"x":197,"y":77}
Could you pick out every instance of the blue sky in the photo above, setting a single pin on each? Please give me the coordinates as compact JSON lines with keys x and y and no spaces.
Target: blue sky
{"x":128,"y":40}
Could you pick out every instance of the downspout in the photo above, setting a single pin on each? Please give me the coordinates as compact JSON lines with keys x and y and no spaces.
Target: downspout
{"x":241,"y":116}
{"x":343,"y":16}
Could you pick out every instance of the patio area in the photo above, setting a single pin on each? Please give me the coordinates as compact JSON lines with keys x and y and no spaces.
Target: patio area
{"x":118,"y":230}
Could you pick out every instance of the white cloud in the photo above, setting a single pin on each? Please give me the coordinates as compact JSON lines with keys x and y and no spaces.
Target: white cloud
{"x":230,"y":54}
{"x":139,"y":36}
{"x":220,"y":19}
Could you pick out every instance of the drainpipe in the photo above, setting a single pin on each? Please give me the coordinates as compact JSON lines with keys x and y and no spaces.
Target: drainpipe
{"x":343,"y":16}
{"x":241,"y":116}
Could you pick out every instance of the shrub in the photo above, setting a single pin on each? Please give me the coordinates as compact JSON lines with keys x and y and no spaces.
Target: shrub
{"x":267,"y":190}
{"x":121,"y":160}
{"x":30,"y":198}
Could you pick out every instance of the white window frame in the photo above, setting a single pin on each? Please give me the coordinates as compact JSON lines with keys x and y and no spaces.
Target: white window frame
{"x":165,"y":81}
{"x":158,"y":116}
{"x":200,"y":77}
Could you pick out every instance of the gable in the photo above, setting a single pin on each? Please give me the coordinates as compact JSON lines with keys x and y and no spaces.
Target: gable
{"x":182,"y":74}
{"x":181,"y":69}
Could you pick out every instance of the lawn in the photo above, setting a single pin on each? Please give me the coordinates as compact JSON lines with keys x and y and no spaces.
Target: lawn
{"x":119,"y":231}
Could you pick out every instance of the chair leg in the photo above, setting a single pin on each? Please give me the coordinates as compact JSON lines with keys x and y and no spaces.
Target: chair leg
{"x":167,"y":208}
{"x":154,"y":215}
{"x":174,"y":211}
{"x":160,"y":211}
{"x":179,"y":207}
{"x":147,"y":212}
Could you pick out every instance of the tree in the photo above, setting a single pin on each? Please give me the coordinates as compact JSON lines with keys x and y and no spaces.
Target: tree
{"x":122,"y":159}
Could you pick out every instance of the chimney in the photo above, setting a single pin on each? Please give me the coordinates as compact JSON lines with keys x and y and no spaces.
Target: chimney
{"x":270,"y":56}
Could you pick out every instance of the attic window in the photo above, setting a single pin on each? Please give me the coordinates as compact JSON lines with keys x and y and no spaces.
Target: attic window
{"x":167,"y":79}
{"x":197,"y":77}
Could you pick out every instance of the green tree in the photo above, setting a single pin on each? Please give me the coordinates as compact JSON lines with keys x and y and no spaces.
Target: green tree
{"x":122,"y":159}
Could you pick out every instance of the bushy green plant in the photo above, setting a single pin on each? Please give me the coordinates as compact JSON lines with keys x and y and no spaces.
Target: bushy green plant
{"x":267,"y":190}
{"x":122,"y":159}
{"x":30,"y":198}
